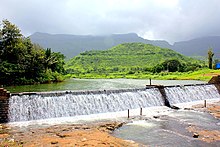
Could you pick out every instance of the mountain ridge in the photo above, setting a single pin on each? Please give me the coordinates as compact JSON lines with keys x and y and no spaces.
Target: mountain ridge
{"x":72,"y":45}
{"x":199,"y":45}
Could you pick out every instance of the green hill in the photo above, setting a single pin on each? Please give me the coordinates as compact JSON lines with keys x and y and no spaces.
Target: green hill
{"x":127,"y":58}
{"x":72,"y":45}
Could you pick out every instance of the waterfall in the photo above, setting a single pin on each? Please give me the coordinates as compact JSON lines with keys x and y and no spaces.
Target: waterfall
{"x":182,"y":94}
{"x":42,"y":106}
{"x":33,"y":106}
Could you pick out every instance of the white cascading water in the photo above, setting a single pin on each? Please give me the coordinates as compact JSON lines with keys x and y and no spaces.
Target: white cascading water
{"x":33,"y":107}
{"x":182,"y":94}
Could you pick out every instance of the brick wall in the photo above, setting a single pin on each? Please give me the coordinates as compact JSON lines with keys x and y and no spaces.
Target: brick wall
{"x":4,"y":104}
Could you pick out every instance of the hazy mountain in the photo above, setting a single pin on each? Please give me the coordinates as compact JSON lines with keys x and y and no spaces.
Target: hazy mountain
{"x":199,"y":46}
{"x":72,"y":45}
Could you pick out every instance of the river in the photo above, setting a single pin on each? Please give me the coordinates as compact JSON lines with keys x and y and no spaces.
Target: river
{"x":97,"y":84}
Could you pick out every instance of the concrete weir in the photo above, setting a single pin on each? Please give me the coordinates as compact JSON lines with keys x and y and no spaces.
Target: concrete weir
{"x":41,"y":105}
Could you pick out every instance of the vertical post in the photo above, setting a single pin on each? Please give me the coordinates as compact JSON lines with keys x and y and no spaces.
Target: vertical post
{"x":150,"y":81}
{"x":141,"y":111}
{"x":204,"y":103}
{"x":128,"y":113}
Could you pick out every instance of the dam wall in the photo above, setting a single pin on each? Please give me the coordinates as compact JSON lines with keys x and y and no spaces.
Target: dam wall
{"x":42,"y":105}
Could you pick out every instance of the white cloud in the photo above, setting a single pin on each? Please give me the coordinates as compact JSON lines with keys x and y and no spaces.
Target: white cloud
{"x":172,"y":20}
{"x":167,"y":3}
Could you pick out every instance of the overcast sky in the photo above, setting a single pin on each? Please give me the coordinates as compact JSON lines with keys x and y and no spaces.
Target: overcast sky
{"x":171,"y":20}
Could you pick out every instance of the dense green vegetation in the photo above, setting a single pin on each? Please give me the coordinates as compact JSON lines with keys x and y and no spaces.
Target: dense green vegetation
{"x":22,"y":62}
{"x":129,"y":60}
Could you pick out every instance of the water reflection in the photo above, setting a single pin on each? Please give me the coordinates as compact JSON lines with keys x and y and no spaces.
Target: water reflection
{"x":97,"y":84}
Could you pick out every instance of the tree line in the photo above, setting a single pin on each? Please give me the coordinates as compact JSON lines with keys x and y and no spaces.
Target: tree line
{"x":23,"y":62}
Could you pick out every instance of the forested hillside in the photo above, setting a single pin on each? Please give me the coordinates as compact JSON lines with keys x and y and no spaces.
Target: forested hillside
{"x":22,"y":62}
{"x":129,"y":58}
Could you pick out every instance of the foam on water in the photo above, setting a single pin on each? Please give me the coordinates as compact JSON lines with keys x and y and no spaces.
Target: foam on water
{"x":183,"y":94}
{"x":33,"y":107}
{"x":142,"y":123}
{"x":110,"y":116}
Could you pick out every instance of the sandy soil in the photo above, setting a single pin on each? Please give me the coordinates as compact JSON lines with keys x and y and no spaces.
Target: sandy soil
{"x":94,"y":134}
{"x":97,"y":134}
{"x":211,"y":74}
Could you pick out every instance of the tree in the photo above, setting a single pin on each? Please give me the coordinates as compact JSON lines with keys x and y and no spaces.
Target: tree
{"x":210,"y":57}
{"x":172,"y":65}
{"x":22,"y":62}
{"x":11,"y":41}
{"x":54,"y":61}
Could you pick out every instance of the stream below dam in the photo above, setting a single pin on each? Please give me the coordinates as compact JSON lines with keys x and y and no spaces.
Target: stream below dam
{"x":170,"y":130}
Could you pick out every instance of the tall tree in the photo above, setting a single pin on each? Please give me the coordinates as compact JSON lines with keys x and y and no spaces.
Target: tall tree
{"x":11,"y":41}
{"x":22,"y":62}
{"x":210,"y":57}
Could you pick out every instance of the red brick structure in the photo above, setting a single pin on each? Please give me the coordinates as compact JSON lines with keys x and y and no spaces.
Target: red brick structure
{"x":4,"y":104}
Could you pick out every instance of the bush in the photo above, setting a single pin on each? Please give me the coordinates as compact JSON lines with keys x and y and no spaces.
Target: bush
{"x":131,"y":72}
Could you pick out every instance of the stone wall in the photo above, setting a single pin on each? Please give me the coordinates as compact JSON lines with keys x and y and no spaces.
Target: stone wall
{"x":216,"y":81}
{"x":4,"y":105}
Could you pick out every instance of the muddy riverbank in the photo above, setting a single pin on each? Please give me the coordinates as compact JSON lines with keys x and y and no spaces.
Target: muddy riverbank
{"x":94,"y":134}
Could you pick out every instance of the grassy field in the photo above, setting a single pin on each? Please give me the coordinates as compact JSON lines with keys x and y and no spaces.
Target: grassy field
{"x":202,"y":74}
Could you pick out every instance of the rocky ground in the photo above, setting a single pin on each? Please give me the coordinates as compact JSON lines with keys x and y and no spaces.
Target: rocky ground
{"x":93,"y":134}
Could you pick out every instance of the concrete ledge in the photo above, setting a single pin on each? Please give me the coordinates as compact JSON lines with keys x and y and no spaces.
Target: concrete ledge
{"x":60,"y":93}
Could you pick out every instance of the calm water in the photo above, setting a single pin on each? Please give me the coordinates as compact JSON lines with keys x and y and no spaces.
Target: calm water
{"x":96,"y":84}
